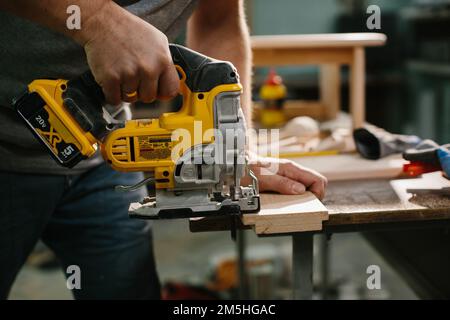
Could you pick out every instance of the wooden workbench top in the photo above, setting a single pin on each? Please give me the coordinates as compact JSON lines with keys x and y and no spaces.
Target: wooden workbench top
{"x":329,"y":40}
{"x":384,"y":200}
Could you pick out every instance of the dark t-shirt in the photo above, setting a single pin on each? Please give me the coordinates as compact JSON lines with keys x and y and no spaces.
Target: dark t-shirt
{"x":29,"y":51}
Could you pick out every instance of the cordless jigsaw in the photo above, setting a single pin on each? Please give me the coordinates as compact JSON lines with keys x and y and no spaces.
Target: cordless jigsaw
{"x":196,"y":156}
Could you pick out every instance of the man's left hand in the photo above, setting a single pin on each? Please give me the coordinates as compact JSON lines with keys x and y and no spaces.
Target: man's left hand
{"x":286,"y":177}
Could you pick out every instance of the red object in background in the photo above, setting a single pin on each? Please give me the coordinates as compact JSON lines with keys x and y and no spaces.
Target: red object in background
{"x":181,"y":291}
{"x":273,"y":78}
{"x":416,"y":168}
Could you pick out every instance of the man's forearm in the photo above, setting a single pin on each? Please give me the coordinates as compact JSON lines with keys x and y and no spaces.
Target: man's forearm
{"x":219,"y":30}
{"x":125,"y":54}
{"x":53,"y":14}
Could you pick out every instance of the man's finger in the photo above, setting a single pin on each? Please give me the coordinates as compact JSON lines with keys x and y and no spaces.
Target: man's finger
{"x":130,"y":90}
{"x":281,"y":184}
{"x":318,"y":188}
{"x":314,"y":181}
{"x":111,"y":90}
{"x":297,"y":172}
{"x":148,"y":89}
{"x":169,"y":84}
{"x":129,"y":85}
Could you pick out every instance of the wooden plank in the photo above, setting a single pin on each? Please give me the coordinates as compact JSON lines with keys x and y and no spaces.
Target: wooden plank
{"x":275,"y":205}
{"x":287,"y":213}
{"x":305,"y":226}
{"x":305,"y":56}
{"x":363,"y":39}
{"x":353,"y":167}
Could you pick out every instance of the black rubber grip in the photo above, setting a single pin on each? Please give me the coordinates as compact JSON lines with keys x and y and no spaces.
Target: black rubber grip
{"x":202,"y":72}
{"x":84,"y":99}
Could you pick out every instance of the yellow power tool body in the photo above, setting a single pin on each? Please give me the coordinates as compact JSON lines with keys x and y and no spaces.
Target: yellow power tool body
{"x":196,"y":155}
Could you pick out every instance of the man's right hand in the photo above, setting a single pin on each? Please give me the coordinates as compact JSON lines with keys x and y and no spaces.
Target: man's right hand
{"x":127,"y":55}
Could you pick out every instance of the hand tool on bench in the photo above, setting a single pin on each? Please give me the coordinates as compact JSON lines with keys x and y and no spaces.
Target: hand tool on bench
{"x":426,"y":157}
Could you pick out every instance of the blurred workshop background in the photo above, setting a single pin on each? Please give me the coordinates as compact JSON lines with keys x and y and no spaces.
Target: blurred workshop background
{"x":407,"y":79}
{"x":408,"y":91}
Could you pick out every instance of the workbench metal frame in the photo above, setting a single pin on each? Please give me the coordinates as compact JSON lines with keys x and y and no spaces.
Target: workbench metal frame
{"x":303,"y":251}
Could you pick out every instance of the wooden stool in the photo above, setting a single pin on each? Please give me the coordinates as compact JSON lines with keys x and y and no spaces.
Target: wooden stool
{"x":330,"y":52}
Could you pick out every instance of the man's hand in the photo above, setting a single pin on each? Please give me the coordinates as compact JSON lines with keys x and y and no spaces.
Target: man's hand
{"x":286,"y":177}
{"x":126,"y":55}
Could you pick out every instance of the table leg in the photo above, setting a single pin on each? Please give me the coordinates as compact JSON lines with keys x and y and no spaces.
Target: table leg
{"x":330,"y":90}
{"x":358,"y":88}
{"x":240,"y":243}
{"x":324,"y":265}
{"x":302,"y":265}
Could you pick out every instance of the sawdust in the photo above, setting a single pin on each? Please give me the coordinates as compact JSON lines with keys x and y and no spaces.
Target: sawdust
{"x":432,"y":201}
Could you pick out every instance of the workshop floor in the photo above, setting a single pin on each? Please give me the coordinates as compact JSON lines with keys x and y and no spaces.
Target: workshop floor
{"x":185,"y":257}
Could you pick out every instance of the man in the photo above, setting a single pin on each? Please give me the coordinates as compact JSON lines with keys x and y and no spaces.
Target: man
{"x":76,"y":212}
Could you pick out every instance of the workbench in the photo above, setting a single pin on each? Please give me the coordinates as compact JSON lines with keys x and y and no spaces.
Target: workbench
{"x":357,"y":206}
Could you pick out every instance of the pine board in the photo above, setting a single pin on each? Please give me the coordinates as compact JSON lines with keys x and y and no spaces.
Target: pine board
{"x":287,"y":213}
{"x":353,"y":166}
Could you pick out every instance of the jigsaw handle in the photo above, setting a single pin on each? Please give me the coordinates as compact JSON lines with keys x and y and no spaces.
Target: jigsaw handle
{"x":197,"y":71}
{"x":84,"y":98}
{"x":198,"y":74}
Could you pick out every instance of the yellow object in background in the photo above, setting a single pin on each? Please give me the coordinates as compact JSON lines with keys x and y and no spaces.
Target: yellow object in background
{"x":270,"y":118}
{"x":273,"y":94}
